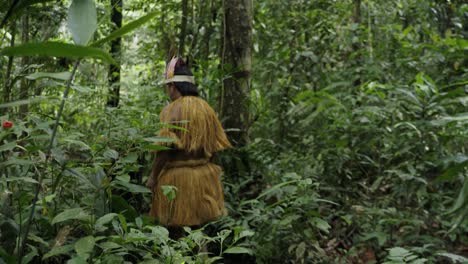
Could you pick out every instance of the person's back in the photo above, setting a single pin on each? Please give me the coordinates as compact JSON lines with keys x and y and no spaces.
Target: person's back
{"x":197,"y":135}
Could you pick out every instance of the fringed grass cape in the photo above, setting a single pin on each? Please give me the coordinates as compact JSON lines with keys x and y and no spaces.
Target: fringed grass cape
{"x":187,"y":166}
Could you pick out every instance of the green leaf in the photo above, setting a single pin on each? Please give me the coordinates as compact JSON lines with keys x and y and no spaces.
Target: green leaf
{"x":55,"y":251}
{"x":463,"y":117}
{"x":133,"y":188}
{"x":30,"y":255}
{"x":69,"y":214}
{"x":8,"y":146}
{"x":84,"y":245}
{"x":57,"y":49}
{"x":106,"y":246}
{"x":104,"y":220}
{"x":82,"y":89}
{"x":13,"y":179}
{"x":77,"y":260}
{"x":238,"y":250}
{"x":276,"y":187}
{"x":125,"y":29}
{"x":15,"y":161}
{"x":111,"y":154}
{"x":320,"y":224}
{"x":82,"y":20}
{"x":380,"y":236}
{"x":454,"y":257}
{"x":160,"y":139}
{"x":462,"y":199}
{"x":24,"y":102}
{"x":169,"y":191}
{"x":54,"y":75}
{"x":155,"y":147}
{"x":399,"y":252}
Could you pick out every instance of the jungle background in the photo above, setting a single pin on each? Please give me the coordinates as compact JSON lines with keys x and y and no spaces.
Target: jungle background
{"x":349,"y":120}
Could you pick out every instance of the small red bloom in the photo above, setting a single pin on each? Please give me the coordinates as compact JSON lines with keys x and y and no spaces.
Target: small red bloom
{"x":7,"y":124}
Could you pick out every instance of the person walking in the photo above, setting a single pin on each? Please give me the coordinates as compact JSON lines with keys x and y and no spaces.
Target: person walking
{"x":196,"y":136}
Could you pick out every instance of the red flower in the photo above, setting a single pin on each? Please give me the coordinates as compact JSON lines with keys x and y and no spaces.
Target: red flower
{"x":7,"y":124}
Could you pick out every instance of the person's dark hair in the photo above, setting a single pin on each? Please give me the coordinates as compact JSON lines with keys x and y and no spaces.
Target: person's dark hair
{"x":184,"y":88}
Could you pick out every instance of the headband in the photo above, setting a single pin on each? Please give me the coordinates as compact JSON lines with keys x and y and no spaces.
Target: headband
{"x":180,"y":78}
{"x":169,"y":73}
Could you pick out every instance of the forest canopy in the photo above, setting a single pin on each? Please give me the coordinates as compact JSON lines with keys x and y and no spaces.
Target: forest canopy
{"x":348,"y":121}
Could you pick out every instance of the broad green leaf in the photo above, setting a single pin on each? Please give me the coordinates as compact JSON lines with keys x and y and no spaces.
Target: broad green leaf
{"x":15,"y":179}
{"x":55,"y":251}
{"x":78,"y":260}
{"x":54,"y":75}
{"x":109,"y":246}
{"x":125,"y":29}
{"x":69,"y":214}
{"x":104,"y":220}
{"x":84,"y":245}
{"x":399,"y":252}
{"x":320,"y":224}
{"x":16,"y":161}
{"x":82,"y":20}
{"x":454,"y":257}
{"x":32,"y":100}
{"x":169,"y":191}
{"x":462,"y":199}
{"x":111,"y":154}
{"x":130,"y":187}
{"x":246,"y":233}
{"x":238,"y":250}
{"x":156,"y":147}
{"x":77,"y":144}
{"x":57,"y":49}
{"x":8,"y":146}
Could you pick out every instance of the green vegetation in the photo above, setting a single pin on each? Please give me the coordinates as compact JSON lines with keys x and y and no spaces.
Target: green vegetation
{"x":356,"y":113}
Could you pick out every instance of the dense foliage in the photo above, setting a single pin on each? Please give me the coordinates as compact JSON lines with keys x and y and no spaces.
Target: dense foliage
{"x":358,"y":132}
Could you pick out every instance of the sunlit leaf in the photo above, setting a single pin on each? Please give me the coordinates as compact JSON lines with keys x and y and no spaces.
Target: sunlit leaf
{"x":54,"y":75}
{"x":57,"y":49}
{"x":238,"y":250}
{"x":70,"y":214}
{"x":84,"y":245}
{"x":82,"y":20}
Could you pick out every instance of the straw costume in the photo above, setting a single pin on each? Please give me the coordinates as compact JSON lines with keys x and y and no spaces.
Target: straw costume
{"x":188,"y":165}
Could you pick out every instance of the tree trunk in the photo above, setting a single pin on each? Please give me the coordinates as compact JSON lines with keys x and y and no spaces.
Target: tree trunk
{"x":237,"y":60}
{"x":183,"y":27}
{"x":209,"y":30}
{"x":24,"y":85}
{"x":356,"y":46}
{"x":116,"y":51}
{"x":7,"y":82}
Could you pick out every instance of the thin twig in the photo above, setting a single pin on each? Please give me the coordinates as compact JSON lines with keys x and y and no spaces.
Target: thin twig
{"x":49,"y":150}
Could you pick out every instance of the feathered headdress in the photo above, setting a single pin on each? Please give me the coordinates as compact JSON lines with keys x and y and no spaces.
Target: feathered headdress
{"x":171,"y":77}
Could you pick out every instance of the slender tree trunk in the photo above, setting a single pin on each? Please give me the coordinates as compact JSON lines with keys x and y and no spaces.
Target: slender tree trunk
{"x":24,"y":85}
{"x":209,"y":30}
{"x":7,"y":82}
{"x":116,"y":50}
{"x":356,"y":46}
{"x":183,"y":27}
{"x":237,"y":60}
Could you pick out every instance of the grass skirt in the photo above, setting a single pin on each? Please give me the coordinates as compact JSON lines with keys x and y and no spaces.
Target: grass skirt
{"x":199,"y":196}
